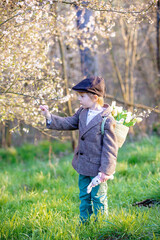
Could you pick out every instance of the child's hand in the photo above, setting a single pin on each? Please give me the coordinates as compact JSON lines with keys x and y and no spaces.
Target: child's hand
{"x":101,"y":177}
{"x":45,"y":112}
{"x":104,"y":177}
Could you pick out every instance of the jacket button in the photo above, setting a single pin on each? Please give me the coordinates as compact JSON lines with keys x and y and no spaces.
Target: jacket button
{"x":82,"y":138}
{"x":81,"y":153}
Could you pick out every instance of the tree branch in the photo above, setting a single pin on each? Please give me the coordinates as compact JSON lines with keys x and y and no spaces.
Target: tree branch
{"x":132,"y":104}
{"x":105,"y":10}
{"x":107,"y":96}
{"x":10,"y":18}
{"x":35,"y":98}
{"x":123,"y":12}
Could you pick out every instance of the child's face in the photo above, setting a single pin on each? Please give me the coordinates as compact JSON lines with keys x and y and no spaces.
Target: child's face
{"x":85,"y":100}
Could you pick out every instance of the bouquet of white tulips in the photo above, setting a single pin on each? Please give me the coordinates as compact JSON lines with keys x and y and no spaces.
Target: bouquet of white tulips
{"x":124,"y":120}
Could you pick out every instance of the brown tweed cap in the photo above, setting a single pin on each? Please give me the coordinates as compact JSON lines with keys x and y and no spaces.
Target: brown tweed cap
{"x":94,"y":85}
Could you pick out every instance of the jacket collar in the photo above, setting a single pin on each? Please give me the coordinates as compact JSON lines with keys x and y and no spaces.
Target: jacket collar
{"x":107,"y":110}
{"x":97,"y":119}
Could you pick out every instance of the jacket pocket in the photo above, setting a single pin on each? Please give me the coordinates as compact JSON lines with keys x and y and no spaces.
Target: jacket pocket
{"x":95,"y":160}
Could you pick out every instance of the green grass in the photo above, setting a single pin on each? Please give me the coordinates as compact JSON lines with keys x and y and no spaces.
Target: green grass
{"x":39,"y":194}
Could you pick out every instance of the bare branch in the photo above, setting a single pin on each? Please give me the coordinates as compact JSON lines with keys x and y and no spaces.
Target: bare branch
{"x":10,"y":18}
{"x":132,"y":104}
{"x":105,"y":10}
{"x":124,"y":12}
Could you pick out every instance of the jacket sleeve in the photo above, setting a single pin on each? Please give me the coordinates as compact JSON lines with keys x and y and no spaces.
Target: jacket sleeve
{"x":64,"y":123}
{"x":109,"y":148}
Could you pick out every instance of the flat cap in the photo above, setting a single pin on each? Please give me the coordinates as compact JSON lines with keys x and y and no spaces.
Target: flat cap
{"x":94,"y":85}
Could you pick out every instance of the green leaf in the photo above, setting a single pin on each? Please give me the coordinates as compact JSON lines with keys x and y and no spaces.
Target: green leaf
{"x":129,"y":124}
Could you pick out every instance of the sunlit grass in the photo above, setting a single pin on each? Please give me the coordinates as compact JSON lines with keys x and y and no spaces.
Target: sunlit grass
{"x":39,"y":194}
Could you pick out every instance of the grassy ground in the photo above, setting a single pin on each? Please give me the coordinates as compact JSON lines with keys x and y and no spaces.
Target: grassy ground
{"x":39,"y":194}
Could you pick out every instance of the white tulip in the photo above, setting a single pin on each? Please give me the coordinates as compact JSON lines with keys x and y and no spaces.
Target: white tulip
{"x":121,"y":120}
{"x":119,"y":109}
{"x":113,"y":104}
{"x":111,"y":108}
{"x":114,"y":112}
{"x":128,"y":119}
{"x":129,"y":114}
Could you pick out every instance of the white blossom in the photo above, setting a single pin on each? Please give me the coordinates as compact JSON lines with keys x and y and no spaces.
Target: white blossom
{"x":119,"y":109}
{"x":128,"y":119}
{"x":19,"y":19}
{"x":138,"y":119}
{"x":113,"y":34}
{"x":65,"y":99}
{"x":26,"y":130}
{"x":114,"y":112}
{"x":129,"y":114}
{"x":121,"y":120}
{"x":113,"y":104}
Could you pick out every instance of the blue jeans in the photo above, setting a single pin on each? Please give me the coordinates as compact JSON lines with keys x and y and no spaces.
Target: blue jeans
{"x":96,"y":201}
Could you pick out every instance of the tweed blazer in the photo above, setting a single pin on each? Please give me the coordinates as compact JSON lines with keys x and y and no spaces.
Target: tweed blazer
{"x":90,"y":157}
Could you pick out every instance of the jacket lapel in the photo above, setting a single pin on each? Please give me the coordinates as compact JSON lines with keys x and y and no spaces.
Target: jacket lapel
{"x":91,"y":124}
{"x":83,"y":118}
{"x":97,"y":119}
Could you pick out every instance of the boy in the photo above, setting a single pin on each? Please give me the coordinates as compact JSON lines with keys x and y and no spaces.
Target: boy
{"x":94,"y":158}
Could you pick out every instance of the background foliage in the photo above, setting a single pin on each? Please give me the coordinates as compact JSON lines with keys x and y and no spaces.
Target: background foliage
{"x":41,"y":58}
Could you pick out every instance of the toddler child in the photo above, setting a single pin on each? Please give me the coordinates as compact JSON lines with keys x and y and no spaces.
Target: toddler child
{"x":95,"y":156}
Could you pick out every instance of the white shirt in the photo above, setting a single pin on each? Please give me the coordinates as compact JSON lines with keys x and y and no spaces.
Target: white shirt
{"x":91,"y":114}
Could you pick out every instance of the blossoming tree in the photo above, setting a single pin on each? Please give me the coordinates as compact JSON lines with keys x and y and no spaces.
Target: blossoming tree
{"x":31,"y":60}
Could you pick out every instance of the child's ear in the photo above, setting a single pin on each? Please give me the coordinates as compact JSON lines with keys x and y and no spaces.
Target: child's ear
{"x":96,"y":97}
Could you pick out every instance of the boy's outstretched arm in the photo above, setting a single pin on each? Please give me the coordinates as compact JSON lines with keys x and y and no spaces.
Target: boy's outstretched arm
{"x":61,"y":123}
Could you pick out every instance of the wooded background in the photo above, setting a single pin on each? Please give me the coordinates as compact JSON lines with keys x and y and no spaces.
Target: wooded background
{"x":49,"y":46}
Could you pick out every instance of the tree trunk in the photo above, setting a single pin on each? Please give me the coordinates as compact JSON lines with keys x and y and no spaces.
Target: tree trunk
{"x":60,"y":41}
{"x":117,"y":71}
{"x":158,"y":45}
{"x":64,"y":73}
{"x":89,"y":64}
{"x":3,"y":136}
{"x":6,"y":134}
